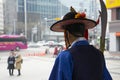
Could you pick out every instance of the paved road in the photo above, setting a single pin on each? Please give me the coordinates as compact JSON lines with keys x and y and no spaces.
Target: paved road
{"x":33,"y":68}
{"x":39,"y":67}
{"x":113,"y":64}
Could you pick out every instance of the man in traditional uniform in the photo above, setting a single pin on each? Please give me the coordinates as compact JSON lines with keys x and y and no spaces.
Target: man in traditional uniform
{"x":80,"y":61}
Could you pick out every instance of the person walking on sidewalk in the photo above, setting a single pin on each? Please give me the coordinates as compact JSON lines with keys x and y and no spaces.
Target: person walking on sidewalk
{"x":55,"y":52}
{"x":11,"y":62}
{"x":18,"y":63}
{"x":80,"y":61}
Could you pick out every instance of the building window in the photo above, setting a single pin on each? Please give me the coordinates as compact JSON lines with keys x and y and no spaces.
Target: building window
{"x":118,"y":13}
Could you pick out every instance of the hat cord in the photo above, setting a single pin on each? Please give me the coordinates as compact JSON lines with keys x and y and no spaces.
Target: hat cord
{"x":67,"y":42}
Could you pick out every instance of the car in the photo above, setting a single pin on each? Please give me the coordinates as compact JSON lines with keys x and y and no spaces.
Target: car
{"x":41,"y":43}
{"x":49,"y":43}
{"x":52,"y":44}
{"x":33,"y":45}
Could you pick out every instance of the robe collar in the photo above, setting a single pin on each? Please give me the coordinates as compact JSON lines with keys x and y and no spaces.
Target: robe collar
{"x":80,"y":41}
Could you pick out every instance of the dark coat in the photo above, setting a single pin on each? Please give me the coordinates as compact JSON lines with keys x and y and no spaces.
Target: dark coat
{"x":88,"y":63}
{"x":11,"y":62}
{"x":18,"y":62}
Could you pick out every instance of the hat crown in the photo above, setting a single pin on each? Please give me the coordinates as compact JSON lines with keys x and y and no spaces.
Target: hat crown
{"x":69,"y":15}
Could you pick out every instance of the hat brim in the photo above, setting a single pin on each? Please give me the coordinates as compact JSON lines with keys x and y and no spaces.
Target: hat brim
{"x":58,"y":26}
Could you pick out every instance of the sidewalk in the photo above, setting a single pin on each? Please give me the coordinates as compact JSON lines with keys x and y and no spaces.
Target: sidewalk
{"x":33,"y":68}
{"x":112,"y":63}
{"x":115,"y":53}
{"x":112,"y":55}
{"x":39,"y":67}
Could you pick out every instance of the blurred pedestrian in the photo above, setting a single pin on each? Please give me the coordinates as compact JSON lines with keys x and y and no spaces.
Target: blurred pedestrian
{"x":80,"y":60}
{"x":60,"y":49}
{"x":55,"y":51}
{"x":47,"y":50}
{"x":11,"y":62}
{"x":18,"y":63}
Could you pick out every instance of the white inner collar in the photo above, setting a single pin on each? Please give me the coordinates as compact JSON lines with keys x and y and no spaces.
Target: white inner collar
{"x":79,"y":39}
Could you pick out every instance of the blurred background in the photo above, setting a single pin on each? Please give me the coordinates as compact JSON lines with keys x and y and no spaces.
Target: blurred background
{"x":25,"y":24}
{"x":32,"y":18}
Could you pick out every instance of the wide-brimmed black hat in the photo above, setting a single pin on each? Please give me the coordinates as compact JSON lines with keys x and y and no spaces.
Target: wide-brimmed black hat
{"x":70,"y":18}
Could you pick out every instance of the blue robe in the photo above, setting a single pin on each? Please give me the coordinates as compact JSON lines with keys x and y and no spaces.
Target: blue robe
{"x":63,"y":66}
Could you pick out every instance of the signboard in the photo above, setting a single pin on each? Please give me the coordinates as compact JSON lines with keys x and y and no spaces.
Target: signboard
{"x":112,"y":3}
{"x":117,"y":33}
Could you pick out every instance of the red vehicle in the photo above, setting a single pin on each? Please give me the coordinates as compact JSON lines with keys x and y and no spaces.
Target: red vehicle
{"x":12,"y":42}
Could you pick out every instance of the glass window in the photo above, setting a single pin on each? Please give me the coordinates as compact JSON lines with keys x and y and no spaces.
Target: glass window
{"x":21,"y":9}
{"x":118,"y":13}
{"x":20,"y":2}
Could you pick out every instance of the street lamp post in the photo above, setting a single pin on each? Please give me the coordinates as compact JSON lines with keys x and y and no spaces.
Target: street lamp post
{"x":25,"y":13}
{"x":45,"y":23}
{"x":41,"y":31}
{"x":45,"y":28}
{"x":14,"y":27}
{"x":34,"y":32}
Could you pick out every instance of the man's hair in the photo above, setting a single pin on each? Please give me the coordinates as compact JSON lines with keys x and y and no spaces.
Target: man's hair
{"x":76,"y":29}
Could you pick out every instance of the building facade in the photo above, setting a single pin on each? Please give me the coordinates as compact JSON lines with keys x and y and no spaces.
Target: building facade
{"x":40,"y":14}
{"x":114,"y":25}
{"x":32,"y":18}
{"x":10,"y":16}
{"x":1,"y":17}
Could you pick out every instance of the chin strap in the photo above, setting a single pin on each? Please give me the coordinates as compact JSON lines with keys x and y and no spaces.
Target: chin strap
{"x":86,"y":34}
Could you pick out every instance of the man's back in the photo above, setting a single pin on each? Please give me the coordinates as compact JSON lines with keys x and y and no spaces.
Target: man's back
{"x":88,"y":63}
